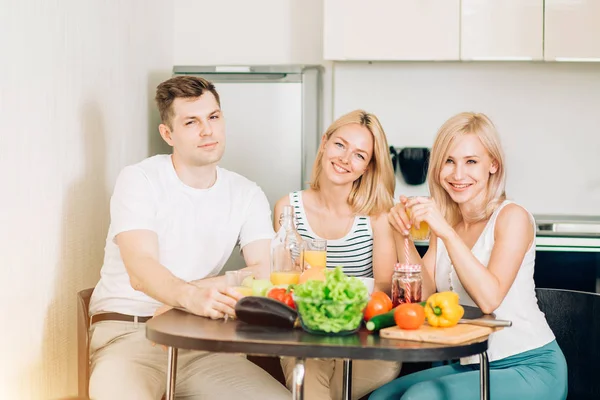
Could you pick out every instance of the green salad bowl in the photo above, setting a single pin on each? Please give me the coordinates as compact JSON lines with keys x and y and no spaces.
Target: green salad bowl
{"x":330,"y":317}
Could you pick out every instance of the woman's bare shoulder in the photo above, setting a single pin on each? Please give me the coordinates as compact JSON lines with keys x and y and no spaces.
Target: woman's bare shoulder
{"x":513,"y":213}
{"x":284,"y":201}
{"x":380,"y":223}
{"x":513,"y":217}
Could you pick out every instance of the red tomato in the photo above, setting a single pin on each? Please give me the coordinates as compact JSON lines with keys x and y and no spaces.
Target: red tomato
{"x":282,"y":295}
{"x":409,"y":316}
{"x":380,"y":303}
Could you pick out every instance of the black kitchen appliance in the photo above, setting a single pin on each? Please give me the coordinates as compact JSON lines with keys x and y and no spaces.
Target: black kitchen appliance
{"x":413,"y":163}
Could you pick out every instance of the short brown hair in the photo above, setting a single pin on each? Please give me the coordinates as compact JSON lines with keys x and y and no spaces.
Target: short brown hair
{"x":181,"y":86}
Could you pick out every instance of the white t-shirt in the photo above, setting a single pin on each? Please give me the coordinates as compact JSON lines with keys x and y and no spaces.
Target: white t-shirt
{"x":529,"y":329}
{"x":197,"y":228}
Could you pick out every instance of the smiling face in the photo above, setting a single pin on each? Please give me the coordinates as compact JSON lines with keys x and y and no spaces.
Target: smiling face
{"x":198,"y":130}
{"x":467,"y":169}
{"x":346,"y":154}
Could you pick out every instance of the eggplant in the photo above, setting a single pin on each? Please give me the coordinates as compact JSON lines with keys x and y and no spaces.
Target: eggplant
{"x":265,"y":311}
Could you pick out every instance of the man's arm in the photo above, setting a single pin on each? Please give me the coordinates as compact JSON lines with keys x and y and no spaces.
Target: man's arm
{"x":139,"y":251}
{"x":256,"y":235}
{"x":257,"y":256}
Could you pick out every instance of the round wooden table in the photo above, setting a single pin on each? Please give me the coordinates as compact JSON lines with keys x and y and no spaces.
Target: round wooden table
{"x":178,"y":329}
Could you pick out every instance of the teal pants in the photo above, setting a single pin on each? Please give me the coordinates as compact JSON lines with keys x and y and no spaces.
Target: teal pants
{"x":535,"y":374}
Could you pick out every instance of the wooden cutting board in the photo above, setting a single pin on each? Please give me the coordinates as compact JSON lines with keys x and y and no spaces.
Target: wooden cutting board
{"x":454,"y":335}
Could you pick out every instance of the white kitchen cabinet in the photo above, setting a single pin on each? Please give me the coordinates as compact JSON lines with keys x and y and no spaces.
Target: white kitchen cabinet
{"x":572,"y":30}
{"x":502,"y":30}
{"x":237,"y":32}
{"x":391,"y":30}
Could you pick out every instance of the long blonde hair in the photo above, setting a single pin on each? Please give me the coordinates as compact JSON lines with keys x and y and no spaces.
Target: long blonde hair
{"x":463,"y":124}
{"x":373,"y":192}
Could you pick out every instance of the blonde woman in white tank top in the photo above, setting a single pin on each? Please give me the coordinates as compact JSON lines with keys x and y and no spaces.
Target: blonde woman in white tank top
{"x":483,"y":248}
{"x":351,"y":191}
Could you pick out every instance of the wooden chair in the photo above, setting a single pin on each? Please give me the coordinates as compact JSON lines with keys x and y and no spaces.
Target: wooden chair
{"x":83,"y":342}
{"x":574,"y":317}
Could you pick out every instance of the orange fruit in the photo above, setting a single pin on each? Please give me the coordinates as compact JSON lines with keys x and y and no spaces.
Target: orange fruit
{"x":312,"y":274}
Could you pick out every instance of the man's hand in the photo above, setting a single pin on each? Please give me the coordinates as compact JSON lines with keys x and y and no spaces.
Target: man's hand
{"x":161,"y":310}
{"x":213,"y":302}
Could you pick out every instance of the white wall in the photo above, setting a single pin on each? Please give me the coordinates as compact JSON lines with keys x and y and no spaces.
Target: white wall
{"x":76,"y":87}
{"x":548,"y":116}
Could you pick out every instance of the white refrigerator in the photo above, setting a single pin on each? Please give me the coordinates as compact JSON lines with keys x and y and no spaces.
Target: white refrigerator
{"x":272,"y":116}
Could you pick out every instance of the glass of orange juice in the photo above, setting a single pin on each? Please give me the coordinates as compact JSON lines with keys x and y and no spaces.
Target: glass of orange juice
{"x":237,"y":280}
{"x":422,"y":233}
{"x":315,"y":253}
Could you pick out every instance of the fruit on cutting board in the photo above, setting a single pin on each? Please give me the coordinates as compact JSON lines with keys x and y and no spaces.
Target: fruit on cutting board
{"x":442,"y":309}
{"x":380,"y":303}
{"x":409,"y":316}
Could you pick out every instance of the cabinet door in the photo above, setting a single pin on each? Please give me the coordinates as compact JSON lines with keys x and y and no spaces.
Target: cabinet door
{"x":391,"y":29}
{"x":572,"y":31}
{"x":502,"y":29}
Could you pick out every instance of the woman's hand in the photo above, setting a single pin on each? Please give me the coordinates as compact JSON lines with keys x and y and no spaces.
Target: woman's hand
{"x":398,"y":217}
{"x":425,"y":209}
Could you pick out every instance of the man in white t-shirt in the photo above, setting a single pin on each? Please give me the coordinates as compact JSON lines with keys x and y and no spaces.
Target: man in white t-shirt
{"x":175,"y":220}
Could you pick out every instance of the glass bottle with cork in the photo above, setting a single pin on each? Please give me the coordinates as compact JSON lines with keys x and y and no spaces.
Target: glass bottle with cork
{"x":287,"y":251}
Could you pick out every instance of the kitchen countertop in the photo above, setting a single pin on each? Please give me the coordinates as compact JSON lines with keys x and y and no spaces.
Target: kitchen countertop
{"x":568,"y":226}
{"x":589,"y":219}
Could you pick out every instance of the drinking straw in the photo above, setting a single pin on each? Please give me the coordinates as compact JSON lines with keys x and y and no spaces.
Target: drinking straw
{"x":407,"y":288}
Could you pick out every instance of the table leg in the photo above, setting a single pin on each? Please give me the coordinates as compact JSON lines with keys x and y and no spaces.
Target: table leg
{"x":171,"y":373}
{"x":484,"y":376}
{"x":347,"y":380}
{"x":298,"y":380}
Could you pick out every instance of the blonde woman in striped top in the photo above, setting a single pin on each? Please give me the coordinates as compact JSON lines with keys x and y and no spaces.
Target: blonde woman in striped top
{"x":351,"y":189}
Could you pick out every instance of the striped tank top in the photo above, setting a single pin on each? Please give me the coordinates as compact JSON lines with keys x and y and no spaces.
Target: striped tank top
{"x":354,"y":252}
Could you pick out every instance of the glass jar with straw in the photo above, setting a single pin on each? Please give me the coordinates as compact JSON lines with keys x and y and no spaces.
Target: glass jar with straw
{"x":407,"y":281}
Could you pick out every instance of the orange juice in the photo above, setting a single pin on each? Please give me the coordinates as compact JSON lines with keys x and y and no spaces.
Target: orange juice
{"x":315,"y":258}
{"x":418,"y":234}
{"x":285,"y":277}
{"x":243,"y":290}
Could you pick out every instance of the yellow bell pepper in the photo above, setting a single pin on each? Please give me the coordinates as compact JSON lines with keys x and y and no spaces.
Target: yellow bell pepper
{"x":442,"y":309}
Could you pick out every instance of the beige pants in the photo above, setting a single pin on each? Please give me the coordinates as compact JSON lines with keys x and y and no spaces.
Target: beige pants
{"x":125,"y":365}
{"x":323,"y":377}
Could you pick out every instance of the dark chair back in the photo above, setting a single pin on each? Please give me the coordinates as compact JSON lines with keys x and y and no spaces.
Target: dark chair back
{"x":574,"y":317}
{"x":83,"y":342}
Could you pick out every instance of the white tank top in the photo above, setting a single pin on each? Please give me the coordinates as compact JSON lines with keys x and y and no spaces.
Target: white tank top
{"x":529,"y":329}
